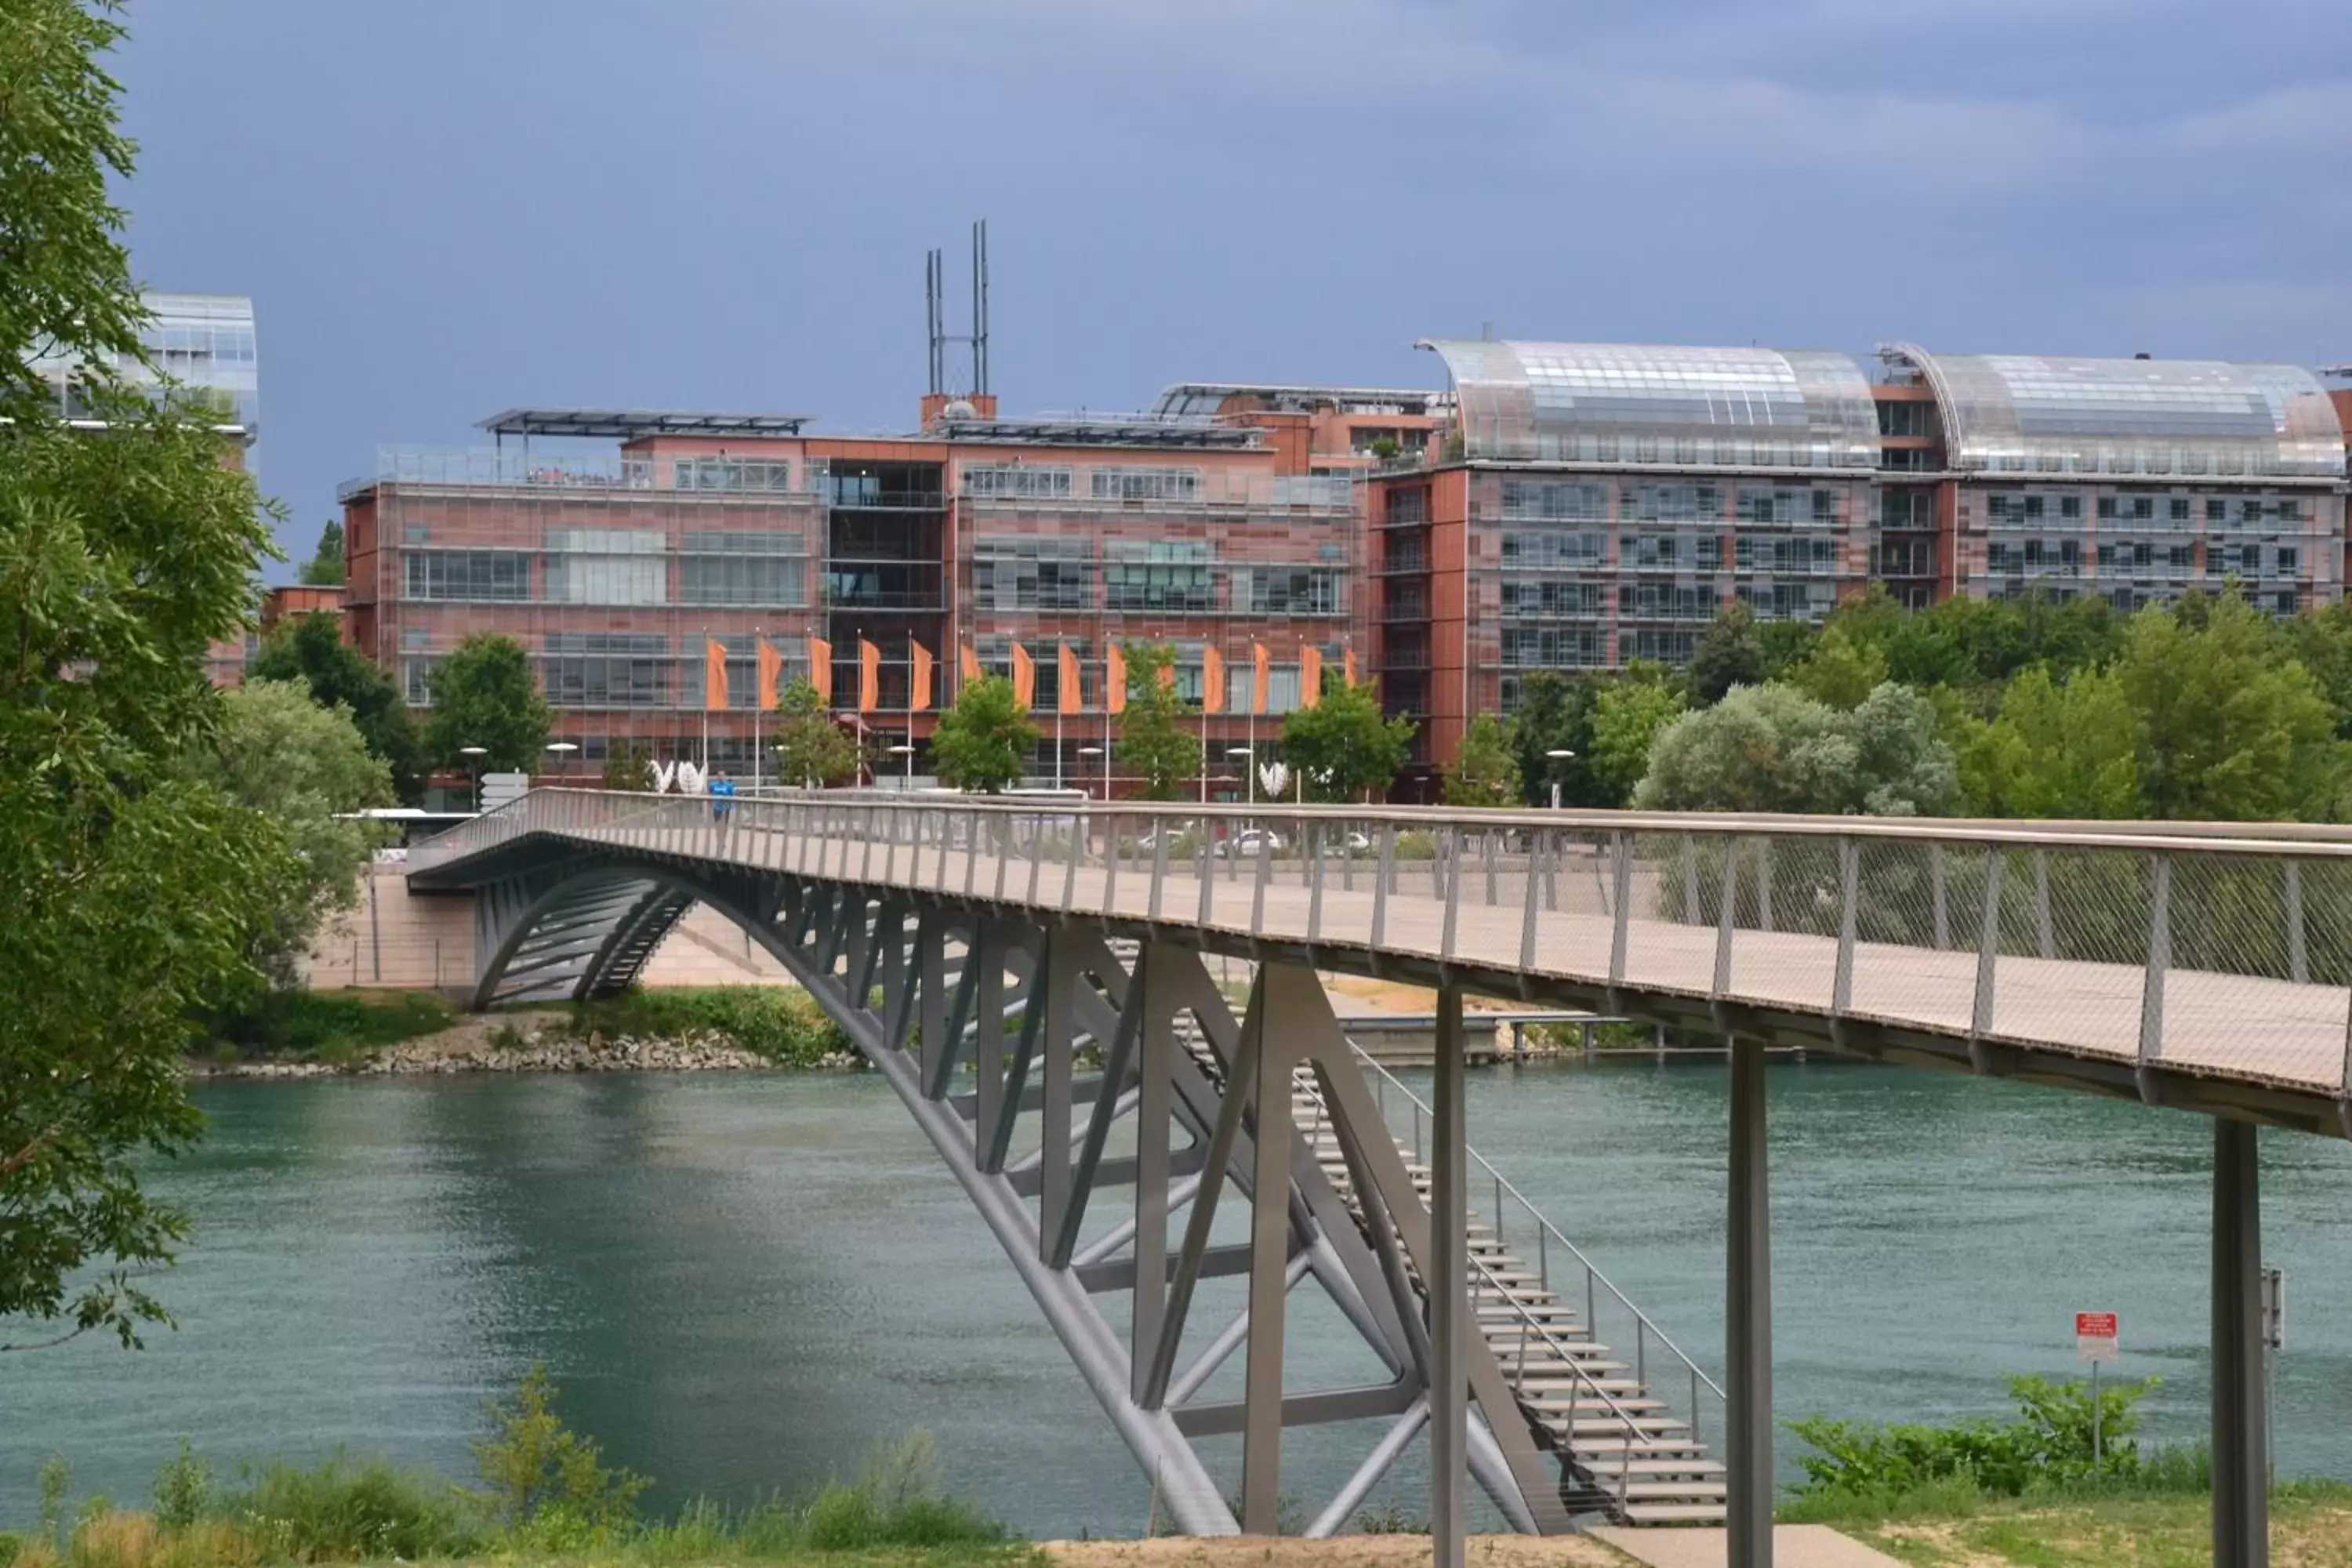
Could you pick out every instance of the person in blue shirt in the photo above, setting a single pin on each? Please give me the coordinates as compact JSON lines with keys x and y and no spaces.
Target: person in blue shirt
{"x":723,"y":795}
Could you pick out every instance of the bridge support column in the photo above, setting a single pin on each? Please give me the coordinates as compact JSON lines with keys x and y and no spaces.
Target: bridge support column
{"x":1747,"y":1318}
{"x":1449,"y":1289}
{"x":2241,"y":1430}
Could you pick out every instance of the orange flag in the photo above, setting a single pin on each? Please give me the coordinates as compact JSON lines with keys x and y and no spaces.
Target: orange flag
{"x":1114,"y":681}
{"x":1068,"y":696}
{"x":1024,"y":678}
{"x":1347,"y":666}
{"x":771,"y":666}
{"x":970,"y":662}
{"x":1263,"y":678}
{"x":918,"y":678}
{"x":869,"y":676}
{"x":821,"y":670}
{"x":714,"y":674}
{"x":1310,"y":675}
{"x":1212,"y":681}
{"x":1167,"y":678}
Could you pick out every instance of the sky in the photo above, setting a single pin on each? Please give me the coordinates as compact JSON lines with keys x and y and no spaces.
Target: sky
{"x":442,"y":208}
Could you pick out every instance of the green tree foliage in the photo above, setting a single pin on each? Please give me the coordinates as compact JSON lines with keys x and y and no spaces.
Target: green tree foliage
{"x":1839,"y":671}
{"x":2231,"y":728}
{"x":1626,"y":720}
{"x":1485,"y":769}
{"x":325,"y":567}
{"x":1773,"y":748}
{"x":811,"y":749}
{"x":130,"y":883}
{"x":280,"y":754}
{"x":629,"y":765}
{"x":1729,"y":653}
{"x":310,"y":649}
{"x":984,"y":743}
{"x":1555,"y":714}
{"x":533,"y":1463}
{"x":1153,"y":740}
{"x":2067,"y":751}
{"x":484,"y":694}
{"x":2322,"y":641}
{"x":2051,"y":1442}
{"x":1344,"y":748}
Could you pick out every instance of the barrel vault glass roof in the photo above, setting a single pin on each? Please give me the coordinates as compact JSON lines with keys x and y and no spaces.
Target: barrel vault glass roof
{"x":1637,"y":403}
{"x":2043,"y":414}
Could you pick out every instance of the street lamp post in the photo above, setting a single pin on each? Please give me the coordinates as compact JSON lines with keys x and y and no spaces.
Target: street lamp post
{"x":1105,"y":754}
{"x":909,"y":753}
{"x":1249,"y":772}
{"x":473,"y":755}
{"x":561,"y":750}
{"x":1557,"y":756}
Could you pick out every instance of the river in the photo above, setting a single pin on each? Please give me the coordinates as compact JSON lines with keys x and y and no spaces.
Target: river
{"x":742,"y":1281}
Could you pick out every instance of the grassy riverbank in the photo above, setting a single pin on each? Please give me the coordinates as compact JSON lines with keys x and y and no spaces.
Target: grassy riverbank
{"x":1944,"y":1527}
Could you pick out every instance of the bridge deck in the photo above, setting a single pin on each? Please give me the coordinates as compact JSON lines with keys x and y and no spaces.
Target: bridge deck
{"x":2263,"y":1033}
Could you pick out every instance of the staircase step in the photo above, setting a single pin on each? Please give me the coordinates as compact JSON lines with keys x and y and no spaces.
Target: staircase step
{"x":1675,"y":1513}
{"x":1686,"y":1466}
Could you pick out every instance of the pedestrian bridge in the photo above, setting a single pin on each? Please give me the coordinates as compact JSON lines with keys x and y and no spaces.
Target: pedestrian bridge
{"x":1029,"y":978}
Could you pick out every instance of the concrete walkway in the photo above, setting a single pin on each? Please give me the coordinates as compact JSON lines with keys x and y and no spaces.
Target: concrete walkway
{"x":1793,"y":1546}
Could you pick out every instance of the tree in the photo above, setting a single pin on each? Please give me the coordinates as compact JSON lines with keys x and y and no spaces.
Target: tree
{"x":1839,"y":671}
{"x":311,"y":649}
{"x":484,"y":694}
{"x":2230,"y":727}
{"x":2068,"y":750}
{"x":811,"y":749}
{"x":1486,"y":768}
{"x":303,"y":766}
{"x":1152,"y":739}
{"x":1344,"y":748}
{"x":984,"y":742}
{"x":1729,"y":653}
{"x":628,"y":765}
{"x":134,"y":888}
{"x":325,"y":567}
{"x":1555,"y":714}
{"x":1775,"y":749}
{"x":1626,"y":720}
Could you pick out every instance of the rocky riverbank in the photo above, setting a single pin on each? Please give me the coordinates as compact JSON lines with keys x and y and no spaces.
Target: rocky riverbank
{"x":509,"y":1044}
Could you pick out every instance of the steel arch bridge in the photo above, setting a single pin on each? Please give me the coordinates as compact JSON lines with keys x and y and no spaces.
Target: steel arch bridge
{"x":1029,"y":978}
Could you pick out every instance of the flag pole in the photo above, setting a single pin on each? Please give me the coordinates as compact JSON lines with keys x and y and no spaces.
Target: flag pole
{"x":759,"y":641}
{"x":706,"y":703}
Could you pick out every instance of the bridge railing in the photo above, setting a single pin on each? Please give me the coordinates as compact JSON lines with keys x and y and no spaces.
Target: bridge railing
{"x":2200,"y":947}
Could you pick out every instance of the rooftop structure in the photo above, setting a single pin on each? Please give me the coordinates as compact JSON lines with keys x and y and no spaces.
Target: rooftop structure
{"x":202,"y":343}
{"x":635,"y":424}
{"x":2032,"y":413}
{"x":1211,"y":397}
{"x":1660,"y":405}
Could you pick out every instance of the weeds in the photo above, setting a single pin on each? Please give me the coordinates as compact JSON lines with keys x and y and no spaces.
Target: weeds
{"x":782,"y":1025}
{"x":330,"y":1026}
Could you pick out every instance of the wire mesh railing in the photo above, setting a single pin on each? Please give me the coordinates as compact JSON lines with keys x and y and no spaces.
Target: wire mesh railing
{"x":2209,"y":949}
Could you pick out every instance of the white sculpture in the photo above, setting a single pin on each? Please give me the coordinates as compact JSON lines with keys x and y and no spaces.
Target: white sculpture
{"x":1274,"y":777}
{"x":665,"y":774}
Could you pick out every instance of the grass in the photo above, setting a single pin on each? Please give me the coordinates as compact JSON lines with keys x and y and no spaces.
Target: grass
{"x":784,"y":1024}
{"x":331,"y":1026}
{"x":1949,"y":1524}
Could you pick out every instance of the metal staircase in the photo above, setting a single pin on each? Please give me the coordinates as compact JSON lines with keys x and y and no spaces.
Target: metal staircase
{"x":1625,"y":1451}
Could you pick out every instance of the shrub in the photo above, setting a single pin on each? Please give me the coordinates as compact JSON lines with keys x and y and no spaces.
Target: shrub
{"x":1414,"y":845}
{"x":782,"y":1024}
{"x":182,"y":1485}
{"x":535,"y":1464}
{"x":2049,"y":1445}
{"x":894,"y":1502}
{"x":346,"y":1510}
{"x":330,"y":1025}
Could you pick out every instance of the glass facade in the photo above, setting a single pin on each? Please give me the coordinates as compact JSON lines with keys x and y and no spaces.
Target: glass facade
{"x":203,"y":342}
{"x":2026,"y":413}
{"x":1661,"y":404}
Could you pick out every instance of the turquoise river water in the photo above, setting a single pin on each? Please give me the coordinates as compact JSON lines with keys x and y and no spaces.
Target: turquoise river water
{"x":744,"y":1281}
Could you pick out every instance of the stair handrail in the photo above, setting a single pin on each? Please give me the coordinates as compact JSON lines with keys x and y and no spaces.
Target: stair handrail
{"x":1591,"y":1272}
{"x":1577,"y":1372}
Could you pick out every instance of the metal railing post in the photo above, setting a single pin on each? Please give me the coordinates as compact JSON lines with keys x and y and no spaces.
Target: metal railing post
{"x":1849,"y":890}
{"x":1726,"y":918}
{"x":1528,"y":914}
{"x":1453,"y":896}
{"x":1942,"y":899}
{"x":1622,"y":884}
{"x":2044,"y":935}
{"x":2298,"y":962}
{"x":1988,"y":943}
{"x":1381,"y":877}
{"x":2159,"y":957}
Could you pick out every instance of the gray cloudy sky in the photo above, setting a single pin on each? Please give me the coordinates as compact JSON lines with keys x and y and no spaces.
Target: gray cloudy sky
{"x":444,"y":207}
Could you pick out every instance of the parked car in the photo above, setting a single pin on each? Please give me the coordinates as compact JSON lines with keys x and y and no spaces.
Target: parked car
{"x":1252,"y":841}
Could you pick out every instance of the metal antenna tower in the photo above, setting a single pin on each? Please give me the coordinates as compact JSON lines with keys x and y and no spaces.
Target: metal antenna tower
{"x":936,"y":314}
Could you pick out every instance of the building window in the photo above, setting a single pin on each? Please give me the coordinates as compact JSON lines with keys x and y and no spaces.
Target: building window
{"x":605,"y":669}
{"x":1016,"y":480}
{"x":1676,"y":503}
{"x":1551,"y":647}
{"x":1173,"y":574}
{"x":1548,"y":599}
{"x":1545,"y":549}
{"x":606,"y":566}
{"x":764,"y":571}
{"x":1409,"y":505}
{"x":1146,"y":484}
{"x":498,"y":575}
{"x":731,"y":474}
{"x":1288,"y":591}
{"x":1550,"y":500}
{"x":1011,"y":573}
